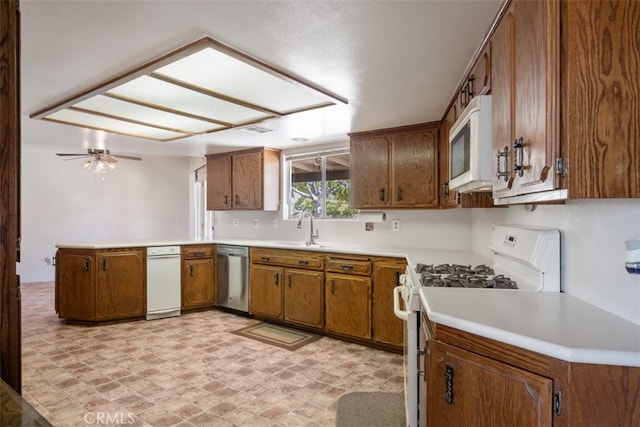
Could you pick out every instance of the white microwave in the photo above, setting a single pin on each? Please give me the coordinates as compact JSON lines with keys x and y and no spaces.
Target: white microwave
{"x":470,"y":148}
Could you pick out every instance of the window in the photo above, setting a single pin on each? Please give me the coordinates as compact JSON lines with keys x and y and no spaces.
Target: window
{"x":318,"y":183}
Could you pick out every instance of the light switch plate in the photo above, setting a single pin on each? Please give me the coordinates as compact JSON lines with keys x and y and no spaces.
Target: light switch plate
{"x":256,"y":223}
{"x":395,"y":225}
{"x":275,"y":223}
{"x":235,"y":222}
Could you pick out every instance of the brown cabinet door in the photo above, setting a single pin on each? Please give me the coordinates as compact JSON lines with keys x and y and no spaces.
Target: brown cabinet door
{"x":247,"y":182}
{"x":348,"y":305}
{"x":304,"y":297}
{"x":75,"y":285}
{"x":468,"y":389}
{"x":525,"y":98}
{"x":219,"y":182}
{"x":387,"y":328}
{"x":120,"y":286}
{"x":448,"y":198}
{"x":198,"y":285}
{"x":536,"y":98}
{"x":415,"y":169}
{"x":265,"y":291}
{"x":600,"y":62}
{"x":501,"y":95}
{"x":369,"y":172}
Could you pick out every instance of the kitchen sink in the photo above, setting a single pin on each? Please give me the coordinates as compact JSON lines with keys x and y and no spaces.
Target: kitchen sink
{"x":298,"y":244}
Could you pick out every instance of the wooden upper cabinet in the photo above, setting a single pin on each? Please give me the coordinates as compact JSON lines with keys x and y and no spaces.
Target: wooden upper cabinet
{"x":219,"y":182}
{"x":395,"y":167}
{"x":369,"y":172}
{"x":414,"y":169}
{"x":601,"y":102}
{"x":481,"y":73}
{"x":248,"y":179}
{"x":448,"y":198}
{"x":525,"y":89}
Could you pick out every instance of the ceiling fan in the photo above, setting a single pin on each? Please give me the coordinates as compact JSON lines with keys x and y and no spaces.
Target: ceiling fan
{"x":99,"y":160}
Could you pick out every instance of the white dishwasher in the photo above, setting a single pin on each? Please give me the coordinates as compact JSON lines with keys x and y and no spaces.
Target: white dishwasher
{"x":163,"y":282}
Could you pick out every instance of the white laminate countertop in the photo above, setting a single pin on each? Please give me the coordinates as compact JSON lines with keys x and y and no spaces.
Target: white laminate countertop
{"x":551,"y":323}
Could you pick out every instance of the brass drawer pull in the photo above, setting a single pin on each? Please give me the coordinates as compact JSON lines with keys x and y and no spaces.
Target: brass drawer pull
{"x":346,"y":267}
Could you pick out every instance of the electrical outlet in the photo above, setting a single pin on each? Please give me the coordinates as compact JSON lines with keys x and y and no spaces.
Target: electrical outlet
{"x":275,"y":223}
{"x":256,"y":223}
{"x":395,"y":225}
{"x":235,"y":222}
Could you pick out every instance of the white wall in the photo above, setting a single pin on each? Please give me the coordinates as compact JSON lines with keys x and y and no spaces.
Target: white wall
{"x":61,"y":202}
{"x":593,"y":233}
{"x":418,"y":228}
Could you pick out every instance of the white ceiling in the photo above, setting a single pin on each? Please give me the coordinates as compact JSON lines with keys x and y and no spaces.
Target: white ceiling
{"x":397,"y":62}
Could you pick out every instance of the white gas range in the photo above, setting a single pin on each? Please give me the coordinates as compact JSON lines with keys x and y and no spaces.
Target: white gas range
{"x":525,"y":259}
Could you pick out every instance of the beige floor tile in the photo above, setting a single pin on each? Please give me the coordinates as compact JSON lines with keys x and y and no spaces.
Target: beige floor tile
{"x":186,"y":371}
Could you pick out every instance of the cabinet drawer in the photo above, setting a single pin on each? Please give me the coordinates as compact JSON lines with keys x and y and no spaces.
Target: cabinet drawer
{"x":299,"y":259}
{"x":192,"y":252}
{"x":349,"y":266}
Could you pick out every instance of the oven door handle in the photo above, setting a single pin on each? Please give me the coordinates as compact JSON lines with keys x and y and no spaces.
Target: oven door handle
{"x":400,"y":314}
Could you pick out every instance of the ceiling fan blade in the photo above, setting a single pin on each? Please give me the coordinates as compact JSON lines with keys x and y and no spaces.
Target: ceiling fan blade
{"x":71,"y":154}
{"x":118,"y":156}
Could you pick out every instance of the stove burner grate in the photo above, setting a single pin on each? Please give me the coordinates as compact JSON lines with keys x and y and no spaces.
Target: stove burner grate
{"x":462,"y":276}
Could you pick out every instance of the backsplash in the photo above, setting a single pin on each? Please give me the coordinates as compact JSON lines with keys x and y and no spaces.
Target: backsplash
{"x":592,"y":249}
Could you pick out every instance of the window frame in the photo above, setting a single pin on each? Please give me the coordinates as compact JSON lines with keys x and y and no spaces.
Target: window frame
{"x":303,"y":153}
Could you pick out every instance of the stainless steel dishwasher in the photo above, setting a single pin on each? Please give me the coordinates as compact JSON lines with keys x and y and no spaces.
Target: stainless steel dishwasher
{"x":233,"y":278}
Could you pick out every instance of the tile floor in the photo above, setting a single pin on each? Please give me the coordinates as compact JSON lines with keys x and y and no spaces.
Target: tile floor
{"x":186,"y":371}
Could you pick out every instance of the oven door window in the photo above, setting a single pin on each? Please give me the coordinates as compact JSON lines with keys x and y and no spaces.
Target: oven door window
{"x":459,"y":155}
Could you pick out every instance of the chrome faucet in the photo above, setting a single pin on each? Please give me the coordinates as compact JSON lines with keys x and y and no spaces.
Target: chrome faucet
{"x":312,"y":236}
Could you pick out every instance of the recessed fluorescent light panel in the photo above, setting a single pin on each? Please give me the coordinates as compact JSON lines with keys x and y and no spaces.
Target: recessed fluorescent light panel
{"x":200,"y":88}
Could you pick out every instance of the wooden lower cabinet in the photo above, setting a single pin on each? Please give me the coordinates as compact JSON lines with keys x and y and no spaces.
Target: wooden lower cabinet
{"x":198,"y":277}
{"x":467,"y":389}
{"x":293,"y":295}
{"x":304,"y":297}
{"x":198,"y":286}
{"x":265,"y":294}
{"x":100,"y":285}
{"x":386,"y":327}
{"x":348,"y":305}
{"x":472,"y":380}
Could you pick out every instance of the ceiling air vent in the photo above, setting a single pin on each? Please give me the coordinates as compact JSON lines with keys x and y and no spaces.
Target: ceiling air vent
{"x":256,"y":129}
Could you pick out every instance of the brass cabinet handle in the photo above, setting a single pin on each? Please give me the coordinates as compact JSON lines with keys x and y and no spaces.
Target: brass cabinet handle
{"x":86,"y":264}
{"x":381,"y":195}
{"x":277,"y":282}
{"x":226,"y":200}
{"x":289,"y":280}
{"x":265,"y":258}
{"x":399,"y":194}
{"x":332,"y":286}
{"x":237,"y":199}
{"x":104,"y":264}
{"x":303,"y":262}
{"x":346,"y":267}
{"x":191,"y":270}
